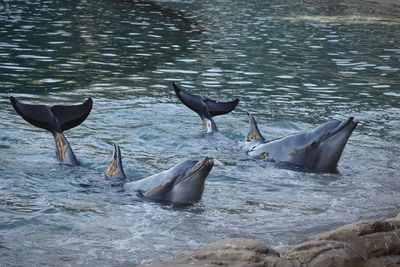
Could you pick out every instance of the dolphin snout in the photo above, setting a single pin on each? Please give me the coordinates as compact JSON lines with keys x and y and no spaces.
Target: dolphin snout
{"x":204,"y":165}
{"x":353,"y":119}
{"x":352,"y":122}
{"x":208,"y":163}
{"x":209,"y":160}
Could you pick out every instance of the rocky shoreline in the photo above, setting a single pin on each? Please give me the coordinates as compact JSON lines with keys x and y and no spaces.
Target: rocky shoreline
{"x":364,"y":243}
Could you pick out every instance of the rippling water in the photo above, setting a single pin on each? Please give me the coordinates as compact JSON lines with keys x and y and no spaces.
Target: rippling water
{"x":293,"y":65}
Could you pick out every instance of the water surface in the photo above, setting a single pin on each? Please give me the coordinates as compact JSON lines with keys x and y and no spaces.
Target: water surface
{"x":292,"y":65}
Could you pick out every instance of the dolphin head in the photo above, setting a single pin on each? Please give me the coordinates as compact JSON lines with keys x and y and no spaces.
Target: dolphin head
{"x":186,"y":182}
{"x":324,"y":145}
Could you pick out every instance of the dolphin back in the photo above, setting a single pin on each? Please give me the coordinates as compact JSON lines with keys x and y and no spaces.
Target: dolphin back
{"x":54,"y":119}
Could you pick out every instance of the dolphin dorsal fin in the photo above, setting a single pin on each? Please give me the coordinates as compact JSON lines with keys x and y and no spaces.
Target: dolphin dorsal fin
{"x":115,"y":169}
{"x":254,"y":133}
{"x":54,"y":119}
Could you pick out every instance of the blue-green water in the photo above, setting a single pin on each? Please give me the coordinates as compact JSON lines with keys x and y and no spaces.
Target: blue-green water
{"x":293,"y":65}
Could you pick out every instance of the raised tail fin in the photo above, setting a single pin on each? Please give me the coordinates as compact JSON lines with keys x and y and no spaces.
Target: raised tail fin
{"x":56,"y":118}
{"x":115,"y":171}
{"x":204,"y":107}
{"x":254,"y":133}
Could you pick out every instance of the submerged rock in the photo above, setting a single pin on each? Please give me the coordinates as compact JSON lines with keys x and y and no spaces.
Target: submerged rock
{"x":365,"y":243}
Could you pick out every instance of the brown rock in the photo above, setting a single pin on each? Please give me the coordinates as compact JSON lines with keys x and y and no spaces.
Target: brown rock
{"x":366,"y":243}
{"x":325,"y":253}
{"x":230,"y":252}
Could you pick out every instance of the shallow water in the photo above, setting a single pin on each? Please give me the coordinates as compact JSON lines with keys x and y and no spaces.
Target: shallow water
{"x":292,"y":65}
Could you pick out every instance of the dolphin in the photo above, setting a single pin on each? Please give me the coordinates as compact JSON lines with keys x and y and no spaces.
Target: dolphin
{"x":56,"y":119}
{"x":181,"y":184}
{"x":319,"y":149}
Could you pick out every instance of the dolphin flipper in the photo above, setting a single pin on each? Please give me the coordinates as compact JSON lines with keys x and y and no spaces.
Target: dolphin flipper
{"x":206,"y":108}
{"x":115,"y":170}
{"x":158,"y":192}
{"x":254,"y":133}
{"x":54,"y":119}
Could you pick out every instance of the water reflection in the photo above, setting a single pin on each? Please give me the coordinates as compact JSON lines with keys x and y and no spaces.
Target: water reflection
{"x":68,"y":44}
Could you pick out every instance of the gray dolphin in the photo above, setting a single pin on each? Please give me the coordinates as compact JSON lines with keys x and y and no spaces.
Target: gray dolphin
{"x":319,"y":149}
{"x":56,"y":119}
{"x":181,"y":184}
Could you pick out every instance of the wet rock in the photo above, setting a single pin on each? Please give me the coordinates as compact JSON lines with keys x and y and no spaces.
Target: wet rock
{"x":365,"y":243}
{"x":230,"y":252}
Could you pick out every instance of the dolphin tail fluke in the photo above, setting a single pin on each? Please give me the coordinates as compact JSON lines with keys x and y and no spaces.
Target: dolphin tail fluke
{"x":204,"y":107}
{"x":254,"y":133}
{"x":72,"y":116}
{"x":54,"y":119}
{"x":115,"y":171}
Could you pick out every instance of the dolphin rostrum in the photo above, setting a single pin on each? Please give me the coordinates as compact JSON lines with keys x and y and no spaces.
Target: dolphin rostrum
{"x":56,"y":119}
{"x":319,"y":149}
{"x":181,"y":184}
